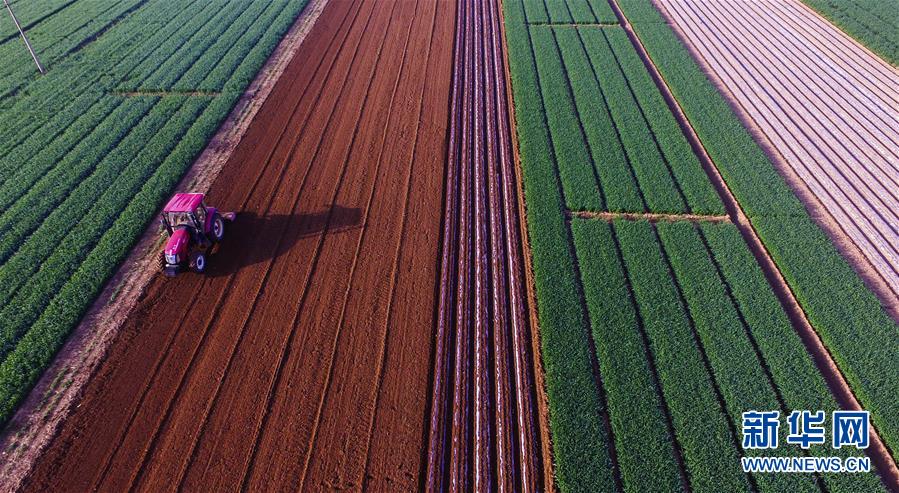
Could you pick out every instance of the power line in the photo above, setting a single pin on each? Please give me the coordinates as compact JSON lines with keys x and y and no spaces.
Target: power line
{"x":37,"y":62}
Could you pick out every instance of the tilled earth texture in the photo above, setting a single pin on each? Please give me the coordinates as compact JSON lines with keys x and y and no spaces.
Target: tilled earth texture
{"x":302,"y":358}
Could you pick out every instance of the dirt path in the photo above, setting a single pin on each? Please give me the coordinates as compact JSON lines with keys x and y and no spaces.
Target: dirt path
{"x":483,"y":430}
{"x":827,"y":106}
{"x":302,"y":357}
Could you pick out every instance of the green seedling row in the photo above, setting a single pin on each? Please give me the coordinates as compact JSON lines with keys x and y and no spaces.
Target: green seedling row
{"x":569,"y":12}
{"x":797,"y":380}
{"x":703,"y":428}
{"x":658,"y":186}
{"x":20,"y":223}
{"x":642,"y":439}
{"x":618,"y":183}
{"x":77,"y":119}
{"x":575,"y":165}
{"x":118,"y":178}
{"x":228,"y":51}
{"x":196,"y":47}
{"x":603,"y":11}
{"x":30,"y":13}
{"x":535,"y":11}
{"x":131,"y":46}
{"x":180,"y":52}
{"x":56,"y":38}
{"x":701,"y":196}
{"x":740,"y":373}
{"x":559,"y":12}
{"x":37,"y":347}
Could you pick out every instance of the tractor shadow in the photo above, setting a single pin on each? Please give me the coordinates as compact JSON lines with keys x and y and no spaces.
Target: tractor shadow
{"x":252,"y":239}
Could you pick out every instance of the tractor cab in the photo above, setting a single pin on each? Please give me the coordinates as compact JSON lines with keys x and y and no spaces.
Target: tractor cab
{"x":188,"y":212}
{"x":192,"y":228}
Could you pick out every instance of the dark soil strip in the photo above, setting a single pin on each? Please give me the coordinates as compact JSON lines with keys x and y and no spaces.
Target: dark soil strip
{"x":162,"y":94}
{"x":106,"y":27}
{"x":574,"y":25}
{"x":483,"y":425}
{"x":649,"y":216}
{"x":823,"y":360}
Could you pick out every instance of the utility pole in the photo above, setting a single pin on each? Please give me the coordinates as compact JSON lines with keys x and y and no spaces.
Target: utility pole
{"x":37,"y":62}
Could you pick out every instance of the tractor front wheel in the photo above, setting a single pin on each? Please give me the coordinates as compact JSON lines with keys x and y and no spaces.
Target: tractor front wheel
{"x":198,"y":262}
{"x":218,"y":228}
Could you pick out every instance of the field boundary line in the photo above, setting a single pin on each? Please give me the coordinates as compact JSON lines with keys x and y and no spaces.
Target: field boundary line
{"x":40,"y":416}
{"x":824,"y":361}
{"x":650,"y":216}
{"x":162,"y":94}
{"x":575,"y":25}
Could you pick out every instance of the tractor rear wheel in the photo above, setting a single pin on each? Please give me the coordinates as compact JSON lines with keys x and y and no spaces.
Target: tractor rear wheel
{"x":218,"y":228}
{"x":198,"y":262}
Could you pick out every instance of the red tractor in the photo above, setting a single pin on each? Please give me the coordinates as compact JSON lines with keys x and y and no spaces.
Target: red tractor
{"x":193,"y":229}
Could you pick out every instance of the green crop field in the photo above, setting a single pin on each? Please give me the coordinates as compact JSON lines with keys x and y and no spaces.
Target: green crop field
{"x":656,"y":336}
{"x":133,"y":91}
{"x":874,"y":23}
{"x":569,"y":12}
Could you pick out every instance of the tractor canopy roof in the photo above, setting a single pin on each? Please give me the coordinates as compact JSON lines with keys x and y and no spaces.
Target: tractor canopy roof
{"x":184,"y":202}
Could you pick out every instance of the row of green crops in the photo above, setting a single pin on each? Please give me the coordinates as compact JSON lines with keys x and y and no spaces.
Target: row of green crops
{"x":569,"y":12}
{"x":655,"y":337}
{"x":619,"y":147}
{"x":86,"y":163}
{"x":874,"y":23}
{"x":861,"y":337}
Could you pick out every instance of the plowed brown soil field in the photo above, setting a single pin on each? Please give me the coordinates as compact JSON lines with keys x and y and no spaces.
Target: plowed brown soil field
{"x":302,"y":358}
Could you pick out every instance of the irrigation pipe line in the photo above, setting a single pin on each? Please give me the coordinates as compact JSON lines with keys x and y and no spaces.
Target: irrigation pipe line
{"x":37,"y":62}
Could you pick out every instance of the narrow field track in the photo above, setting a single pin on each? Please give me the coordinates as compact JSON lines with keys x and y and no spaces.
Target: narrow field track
{"x":828,"y":106}
{"x":483,"y":430}
{"x":303,"y":357}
